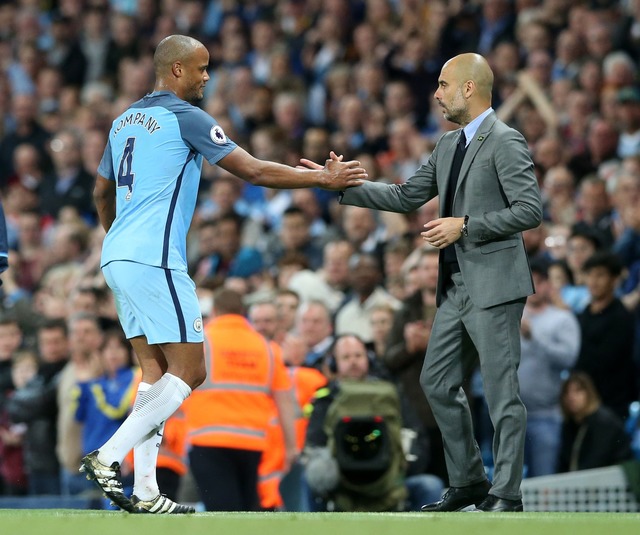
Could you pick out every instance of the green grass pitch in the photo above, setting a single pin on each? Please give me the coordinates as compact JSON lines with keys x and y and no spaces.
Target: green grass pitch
{"x":72,"y":522}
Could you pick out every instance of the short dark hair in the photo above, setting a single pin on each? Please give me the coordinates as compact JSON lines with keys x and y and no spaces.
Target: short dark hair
{"x":226,"y":301}
{"x":562,"y":264}
{"x":54,"y":324}
{"x":581,"y":232}
{"x":540,"y":266}
{"x":610,"y":261}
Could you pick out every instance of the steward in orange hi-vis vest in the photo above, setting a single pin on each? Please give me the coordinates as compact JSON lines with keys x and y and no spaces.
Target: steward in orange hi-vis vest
{"x":305,"y":382}
{"x":228,"y":415}
{"x":232,"y":407}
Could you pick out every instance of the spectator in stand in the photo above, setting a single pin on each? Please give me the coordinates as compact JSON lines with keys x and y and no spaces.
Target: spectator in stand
{"x":13,"y":477}
{"x":294,"y":236}
{"x":569,"y":52}
{"x":288,"y":266}
{"x":601,"y":148}
{"x":94,"y":41}
{"x":124,"y":43}
{"x":593,"y":436}
{"x":263,"y":315}
{"x":229,"y":258}
{"x":361,"y":229}
{"x":26,"y":129}
{"x":314,"y":325}
{"x":381,"y":320}
{"x":65,"y":52}
{"x":367,"y":292}
{"x":577,"y":115}
{"x":10,"y":341}
{"x":69,"y":184}
{"x":287,"y":303}
{"x":534,"y":243}
{"x":560,"y":276}
{"x":581,"y":246}
{"x":550,"y":339}
{"x":607,"y":327}
{"x":627,"y":244}
{"x":548,"y":152}
{"x":35,"y":405}
{"x":618,"y":70}
{"x":308,"y":200}
{"x":628,"y":121}
{"x":28,"y":170}
{"x":558,"y":196}
{"x":625,"y":196}
{"x":84,"y":365}
{"x":594,"y":209}
{"x":31,"y":249}
{"x":331,"y":282}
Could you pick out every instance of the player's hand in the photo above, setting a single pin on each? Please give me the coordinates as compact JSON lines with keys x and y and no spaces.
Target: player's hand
{"x":443,"y":231}
{"x":339,"y":174}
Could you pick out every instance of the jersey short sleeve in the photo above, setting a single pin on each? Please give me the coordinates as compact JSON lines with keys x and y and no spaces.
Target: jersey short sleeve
{"x":203,"y":134}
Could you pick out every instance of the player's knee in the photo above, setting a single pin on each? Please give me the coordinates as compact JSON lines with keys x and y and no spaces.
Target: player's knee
{"x":199,"y":376}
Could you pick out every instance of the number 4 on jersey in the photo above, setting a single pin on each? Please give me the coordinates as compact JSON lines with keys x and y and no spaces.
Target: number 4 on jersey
{"x":125,"y":176}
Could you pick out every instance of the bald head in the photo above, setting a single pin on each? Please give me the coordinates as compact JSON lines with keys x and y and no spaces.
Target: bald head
{"x":464,"y":88}
{"x":181,"y":64}
{"x":171,"y":49}
{"x":475,"y":68}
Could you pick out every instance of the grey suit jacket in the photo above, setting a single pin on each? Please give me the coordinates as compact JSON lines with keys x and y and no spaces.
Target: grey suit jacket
{"x":497,"y":189}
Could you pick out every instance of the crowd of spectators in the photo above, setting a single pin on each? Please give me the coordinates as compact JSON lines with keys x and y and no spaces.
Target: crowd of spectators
{"x":293,"y":78}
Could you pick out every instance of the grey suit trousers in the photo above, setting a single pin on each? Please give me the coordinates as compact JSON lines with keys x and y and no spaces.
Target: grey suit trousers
{"x":462,"y":331}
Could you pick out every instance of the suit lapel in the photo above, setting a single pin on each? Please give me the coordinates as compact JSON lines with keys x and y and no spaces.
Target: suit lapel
{"x":474,"y":146}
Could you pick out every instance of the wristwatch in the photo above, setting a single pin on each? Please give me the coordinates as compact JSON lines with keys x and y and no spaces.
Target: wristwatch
{"x":465,"y":229}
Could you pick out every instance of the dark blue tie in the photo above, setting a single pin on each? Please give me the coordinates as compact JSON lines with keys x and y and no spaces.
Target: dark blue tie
{"x":449,"y":253}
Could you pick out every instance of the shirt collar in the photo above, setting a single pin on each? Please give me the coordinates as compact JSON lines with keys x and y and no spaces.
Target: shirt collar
{"x":471,"y":129}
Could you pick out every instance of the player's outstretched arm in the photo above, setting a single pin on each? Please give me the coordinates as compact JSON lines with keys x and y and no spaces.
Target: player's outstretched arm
{"x":334,"y":175}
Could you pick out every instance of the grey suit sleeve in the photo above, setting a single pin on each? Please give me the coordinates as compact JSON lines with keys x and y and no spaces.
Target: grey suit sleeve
{"x":519,"y":186}
{"x":402,"y":198}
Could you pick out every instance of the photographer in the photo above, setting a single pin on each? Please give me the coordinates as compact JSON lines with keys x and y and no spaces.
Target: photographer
{"x":355,"y":456}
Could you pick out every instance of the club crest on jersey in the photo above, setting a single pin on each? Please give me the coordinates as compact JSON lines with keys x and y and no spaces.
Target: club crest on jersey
{"x":217,"y":135}
{"x":197,"y":325}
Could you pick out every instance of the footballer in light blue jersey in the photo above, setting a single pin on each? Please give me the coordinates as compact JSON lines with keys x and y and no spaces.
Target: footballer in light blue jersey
{"x":145,"y":195}
{"x":154,"y":154}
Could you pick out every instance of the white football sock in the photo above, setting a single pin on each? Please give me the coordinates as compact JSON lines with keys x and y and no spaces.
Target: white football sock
{"x":145,"y":455}
{"x":150,"y":411}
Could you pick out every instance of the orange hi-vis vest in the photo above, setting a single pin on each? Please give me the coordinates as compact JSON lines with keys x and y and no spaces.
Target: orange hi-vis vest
{"x":306,"y":382}
{"x":232,"y":408}
{"x":173,"y":448}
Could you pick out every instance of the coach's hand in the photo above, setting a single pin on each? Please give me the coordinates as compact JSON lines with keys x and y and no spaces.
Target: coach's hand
{"x":443,"y":231}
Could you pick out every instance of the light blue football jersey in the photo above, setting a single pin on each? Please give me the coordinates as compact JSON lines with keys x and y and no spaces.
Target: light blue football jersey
{"x":154,"y":154}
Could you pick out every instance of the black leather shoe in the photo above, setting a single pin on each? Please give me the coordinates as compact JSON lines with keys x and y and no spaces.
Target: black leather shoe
{"x":458,"y":498}
{"x":493,"y":504}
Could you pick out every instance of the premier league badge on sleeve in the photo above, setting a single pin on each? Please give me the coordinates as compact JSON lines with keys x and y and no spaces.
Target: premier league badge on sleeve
{"x":217,"y":135}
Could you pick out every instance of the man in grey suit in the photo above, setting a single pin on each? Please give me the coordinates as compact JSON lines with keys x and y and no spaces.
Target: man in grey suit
{"x":488,"y":196}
